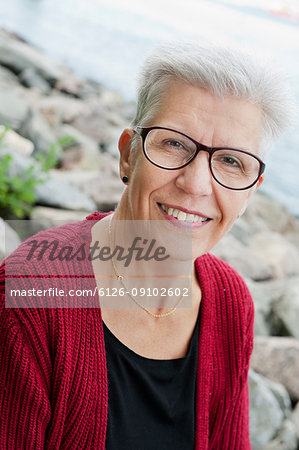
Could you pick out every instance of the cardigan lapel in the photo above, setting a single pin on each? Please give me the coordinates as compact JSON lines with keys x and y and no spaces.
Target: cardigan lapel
{"x":205,"y":360}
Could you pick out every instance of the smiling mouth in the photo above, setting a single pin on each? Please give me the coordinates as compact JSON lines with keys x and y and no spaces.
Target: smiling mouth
{"x":182,"y":216}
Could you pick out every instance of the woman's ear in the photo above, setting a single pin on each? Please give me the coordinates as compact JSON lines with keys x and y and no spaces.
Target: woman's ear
{"x":124,"y":146}
{"x":260,"y":181}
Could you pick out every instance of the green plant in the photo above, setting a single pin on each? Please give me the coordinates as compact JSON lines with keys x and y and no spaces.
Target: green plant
{"x":50,"y":159}
{"x":17,"y":193}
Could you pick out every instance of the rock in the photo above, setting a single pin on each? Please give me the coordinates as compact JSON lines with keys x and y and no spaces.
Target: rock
{"x":278,"y":359}
{"x":276,"y":251}
{"x":89,"y":116}
{"x":9,"y":240}
{"x":20,"y":162}
{"x":17,"y":56}
{"x":52,"y":192}
{"x":44,"y":217}
{"x":111,"y":99}
{"x":7,"y":78}
{"x":98,"y":121}
{"x":38,"y":131}
{"x":86,"y":151}
{"x":242,"y":231}
{"x":69,"y":84}
{"x":56,"y":217}
{"x":240,"y":258}
{"x":265,"y":414}
{"x":112,"y":144}
{"x":15,"y":104}
{"x":103,"y":186}
{"x":269,"y":212}
{"x":265,"y":295}
{"x":286,"y":438}
{"x":29,"y":77}
{"x":90,"y":88}
{"x":75,"y":177}
{"x":295,"y":419}
{"x":293,"y":236}
{"x":24,"y":228}
{"x":287,"y":307}
{"x":17,"y":142}
{"x":58,"y":109}
{"x":60,"y":194}
{"x":281,"y":395}
{"x":72,"y":157}
{"x":106,"y":193}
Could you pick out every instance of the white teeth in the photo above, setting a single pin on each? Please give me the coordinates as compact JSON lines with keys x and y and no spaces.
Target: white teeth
{"x":182,"y":216}
{"x":190,"y":217}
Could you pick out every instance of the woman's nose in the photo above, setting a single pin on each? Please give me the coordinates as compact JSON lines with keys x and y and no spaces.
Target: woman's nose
{"x":196,"y":177}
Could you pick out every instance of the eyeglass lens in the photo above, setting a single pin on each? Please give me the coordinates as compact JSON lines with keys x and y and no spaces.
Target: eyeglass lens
{"x":171,"y":150}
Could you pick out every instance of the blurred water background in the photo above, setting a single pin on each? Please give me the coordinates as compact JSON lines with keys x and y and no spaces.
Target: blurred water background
{"x":105,"y":40}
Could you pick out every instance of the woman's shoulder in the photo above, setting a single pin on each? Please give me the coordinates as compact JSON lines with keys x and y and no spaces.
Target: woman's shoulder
{"x":223,"y":283}
{"x":51,"y":259}
{"x":218,"y":269}
{"x":51,"y":241}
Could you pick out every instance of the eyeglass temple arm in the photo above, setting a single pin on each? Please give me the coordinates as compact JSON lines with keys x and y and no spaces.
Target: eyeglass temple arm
{"x":138,"y":130}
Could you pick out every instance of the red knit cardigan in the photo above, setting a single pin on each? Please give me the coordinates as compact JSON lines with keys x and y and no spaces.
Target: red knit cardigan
{"x":53,"y":379}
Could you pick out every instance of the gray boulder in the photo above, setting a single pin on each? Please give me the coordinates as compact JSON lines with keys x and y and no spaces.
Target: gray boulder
{"x":7,"y":78}
{"x":9,"y":240}
{"x":17,"y":56}
{"x":242,"y":259}
{"x":38,"y":131}
{"x":278,"y":359}
{"x":265,"y":295}
{"x":82,"y":154}
{"x":264,"y":211}
{"x":277,"y":251}
{"x":287,"y":306}
{"x":53,"y":217}
{"x":58,"y":109}
{"x":286,"y":438}
{"x":242,"y":231}
{"x":29,"y":77}
{"x":98,"y":121}
{"x":60,"y":194}
{"x":17,"y":142}
{"x":70,"y":84}
{"x":52,"y":192}
{"x":295,"y":419}
{"x":15,"y":104}
{"x":266,"y":415}
{"x":102,"y":186}
{"x":112,"y":143}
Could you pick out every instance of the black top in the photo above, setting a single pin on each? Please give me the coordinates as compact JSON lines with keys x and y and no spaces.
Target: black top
{"x":151,"y":403}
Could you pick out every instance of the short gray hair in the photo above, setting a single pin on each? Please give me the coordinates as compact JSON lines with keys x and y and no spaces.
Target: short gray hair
{"x":221,"y":71}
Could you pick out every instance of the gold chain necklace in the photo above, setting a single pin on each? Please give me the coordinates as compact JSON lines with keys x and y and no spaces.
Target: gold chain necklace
{"x":121,"y":279}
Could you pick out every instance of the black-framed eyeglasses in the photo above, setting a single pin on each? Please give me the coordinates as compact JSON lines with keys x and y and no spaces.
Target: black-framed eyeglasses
{"x":171,"y":150}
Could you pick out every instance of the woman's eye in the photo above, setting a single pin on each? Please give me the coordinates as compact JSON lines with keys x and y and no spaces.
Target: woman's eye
{"x":174,"y":143}
{"x":231,"y":161}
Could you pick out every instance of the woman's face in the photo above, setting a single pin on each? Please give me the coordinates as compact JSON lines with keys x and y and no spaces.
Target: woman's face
{"x":214,"y":122}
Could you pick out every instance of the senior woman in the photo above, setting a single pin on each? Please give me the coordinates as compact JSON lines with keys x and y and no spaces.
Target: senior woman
{"x":162,"y":374}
